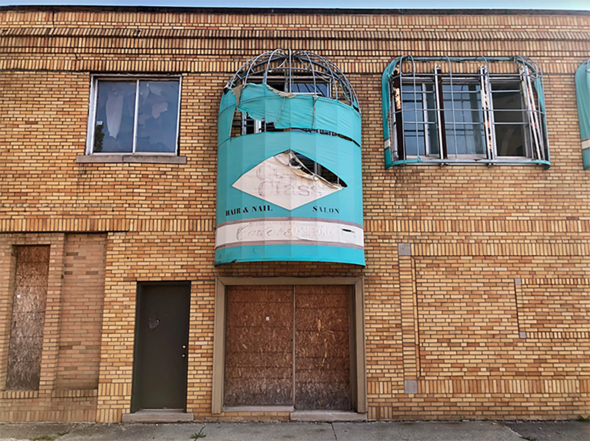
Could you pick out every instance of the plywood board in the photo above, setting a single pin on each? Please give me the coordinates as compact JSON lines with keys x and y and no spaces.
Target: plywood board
{"x":28,"y":318}
{"x":259,"y":346}
{"x":322,"y":348}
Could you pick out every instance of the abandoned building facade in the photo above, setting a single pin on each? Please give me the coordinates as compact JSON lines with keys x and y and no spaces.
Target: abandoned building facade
{"x":240,"y":214}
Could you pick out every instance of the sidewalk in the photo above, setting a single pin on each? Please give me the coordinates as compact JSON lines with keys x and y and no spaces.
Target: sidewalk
{"x":388,"y":431}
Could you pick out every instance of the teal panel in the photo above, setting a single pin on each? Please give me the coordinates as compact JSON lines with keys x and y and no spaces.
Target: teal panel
{"x":226,"y":115}
{"x":583,"y":98}
{"x":239,"y":155}
{"x":295,"y":253}
{"x":385,"y":97}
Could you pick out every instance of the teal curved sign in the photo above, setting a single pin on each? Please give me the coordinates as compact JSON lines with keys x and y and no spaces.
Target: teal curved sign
{"x":292,"y":194}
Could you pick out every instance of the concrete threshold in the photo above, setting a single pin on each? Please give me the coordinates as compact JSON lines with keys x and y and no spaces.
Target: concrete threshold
{"x":327,"y":415}
{"x":158,"y":416}
{"x":258,"y":409}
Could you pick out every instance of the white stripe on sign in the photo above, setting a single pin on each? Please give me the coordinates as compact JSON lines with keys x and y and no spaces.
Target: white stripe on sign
{"x":289,"y":231}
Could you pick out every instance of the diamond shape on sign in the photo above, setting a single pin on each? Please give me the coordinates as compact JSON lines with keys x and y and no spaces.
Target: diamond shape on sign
{"x":281,"y":180}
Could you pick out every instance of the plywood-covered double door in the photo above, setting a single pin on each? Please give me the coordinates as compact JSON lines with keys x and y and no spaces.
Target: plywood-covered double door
{"x":288,"y":346}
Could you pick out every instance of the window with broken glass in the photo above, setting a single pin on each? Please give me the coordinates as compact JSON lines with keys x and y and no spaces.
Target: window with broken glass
{"x":446,"y":117}
{"x":131,"y":115}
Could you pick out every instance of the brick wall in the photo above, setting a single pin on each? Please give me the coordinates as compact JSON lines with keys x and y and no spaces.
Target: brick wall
{"x":46,"y":403}
{"x":81,"y":313}
{"x":487,"y":316}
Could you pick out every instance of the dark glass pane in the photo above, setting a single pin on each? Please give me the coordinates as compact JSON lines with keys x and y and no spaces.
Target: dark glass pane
{"x":414,"y":139}
{"x":277,"y":86}
{"x":319,"y":88}
{"x":310,"y":167}
{"x":115,"y":110}
{"x":307,"y":162}
{"x":270,"y":127}
{"x":463,"y":119}
{"x":506,"y":86}
{"x":157,"y":117}
{"x":433,"y":139}
{"x":508,"y":97}
{"x":249,"y":126}
{"x":465,"y":139}
{"x":331,"y":177}
{"x":509,"y":117}
{"x":463,"y":104}
{"x":510,"y":140}
{"x":508,"y":102}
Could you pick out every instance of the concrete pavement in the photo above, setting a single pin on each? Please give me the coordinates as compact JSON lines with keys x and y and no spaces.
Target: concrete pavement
{"x":277,"y":431}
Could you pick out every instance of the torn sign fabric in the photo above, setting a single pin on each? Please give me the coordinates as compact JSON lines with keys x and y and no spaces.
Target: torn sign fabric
{"x":286,"y":110}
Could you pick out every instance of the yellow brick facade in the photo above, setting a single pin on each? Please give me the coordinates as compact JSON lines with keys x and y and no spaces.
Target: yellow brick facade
{"x":486,"y":310}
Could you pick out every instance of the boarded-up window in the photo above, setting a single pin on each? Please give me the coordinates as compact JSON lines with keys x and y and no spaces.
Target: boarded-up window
{"x":28,"y":318}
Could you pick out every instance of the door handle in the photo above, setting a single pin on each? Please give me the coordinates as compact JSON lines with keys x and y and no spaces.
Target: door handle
{"x":183,"y":355}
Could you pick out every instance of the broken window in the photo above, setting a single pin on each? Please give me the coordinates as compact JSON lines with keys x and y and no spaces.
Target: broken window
{"x":134,"y":115}
{"x":461,"y":111}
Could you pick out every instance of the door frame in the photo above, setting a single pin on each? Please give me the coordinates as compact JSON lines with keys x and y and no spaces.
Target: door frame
{"x":138,"y":305}
{"x":358,"y":383}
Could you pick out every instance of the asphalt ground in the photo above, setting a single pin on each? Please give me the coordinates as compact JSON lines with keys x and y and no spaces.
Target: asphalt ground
{"x":287,"y":431}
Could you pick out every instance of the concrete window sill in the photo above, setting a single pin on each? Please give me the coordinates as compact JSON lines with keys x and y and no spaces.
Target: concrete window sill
{"x":126,"y":159}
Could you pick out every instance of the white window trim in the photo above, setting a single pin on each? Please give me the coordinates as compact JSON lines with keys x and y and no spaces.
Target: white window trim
{"x":94,"y":79}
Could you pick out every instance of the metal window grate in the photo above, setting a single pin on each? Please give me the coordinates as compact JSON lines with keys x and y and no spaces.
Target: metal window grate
{"x":464,"y":110}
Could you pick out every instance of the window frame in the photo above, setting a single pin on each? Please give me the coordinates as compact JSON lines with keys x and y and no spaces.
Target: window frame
{"x":92,"y":111}
{"x":396,"y":106}
{"x":424,"y":111}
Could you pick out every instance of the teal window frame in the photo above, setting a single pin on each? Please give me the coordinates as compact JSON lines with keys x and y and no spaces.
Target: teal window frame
{"x":428,"y":119}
